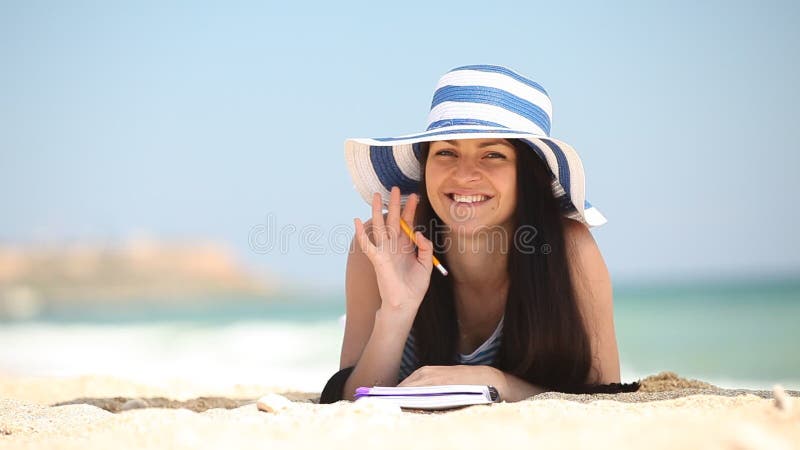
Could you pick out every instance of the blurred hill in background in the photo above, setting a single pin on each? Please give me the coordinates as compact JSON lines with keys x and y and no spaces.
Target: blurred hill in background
{"x":35,"y":276}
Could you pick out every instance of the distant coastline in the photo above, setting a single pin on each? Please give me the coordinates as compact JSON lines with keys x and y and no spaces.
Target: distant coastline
{"x":34,"y":277}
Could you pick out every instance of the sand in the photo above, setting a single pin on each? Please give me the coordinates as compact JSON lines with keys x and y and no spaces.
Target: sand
{"x":668,"y":412}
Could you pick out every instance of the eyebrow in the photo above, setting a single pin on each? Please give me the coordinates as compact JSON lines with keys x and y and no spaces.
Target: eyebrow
{"x":483,"y":144}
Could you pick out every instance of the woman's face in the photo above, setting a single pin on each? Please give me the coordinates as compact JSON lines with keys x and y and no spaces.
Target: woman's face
{"x":472,"y":183}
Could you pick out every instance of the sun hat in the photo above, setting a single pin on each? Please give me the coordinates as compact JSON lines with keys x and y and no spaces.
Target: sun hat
{"x":473,"y":102}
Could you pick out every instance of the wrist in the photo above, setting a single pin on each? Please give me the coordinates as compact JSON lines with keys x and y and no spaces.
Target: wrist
{"x":499,"y":382}
{"x":512,"y":388}
{"x":394,"y":322}
{"x":396,"y":315}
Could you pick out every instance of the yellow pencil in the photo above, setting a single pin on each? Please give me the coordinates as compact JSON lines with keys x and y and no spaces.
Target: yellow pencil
{"x":410,"y":234}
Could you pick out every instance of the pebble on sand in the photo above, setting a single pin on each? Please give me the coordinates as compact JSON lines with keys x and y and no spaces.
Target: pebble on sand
{"x":273,"y":403}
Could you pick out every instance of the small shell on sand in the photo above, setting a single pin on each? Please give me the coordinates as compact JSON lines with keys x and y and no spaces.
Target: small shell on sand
{"x":273,"y":403}
{"x":782,"y":401}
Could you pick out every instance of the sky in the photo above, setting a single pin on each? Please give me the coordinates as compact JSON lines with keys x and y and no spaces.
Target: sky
{"x":225,"y":121}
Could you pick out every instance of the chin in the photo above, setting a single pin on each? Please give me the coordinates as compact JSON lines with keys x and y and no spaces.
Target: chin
{"x":473,"y":228}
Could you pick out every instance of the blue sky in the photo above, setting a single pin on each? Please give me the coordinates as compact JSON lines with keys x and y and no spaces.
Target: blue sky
{"x":192,"y":120}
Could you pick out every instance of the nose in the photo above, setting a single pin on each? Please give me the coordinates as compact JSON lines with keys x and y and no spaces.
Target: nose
{"x":466,"y":170}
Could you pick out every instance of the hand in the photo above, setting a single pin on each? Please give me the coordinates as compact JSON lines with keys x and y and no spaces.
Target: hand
{"x":403,"y":274}
{"x":461,"y":374}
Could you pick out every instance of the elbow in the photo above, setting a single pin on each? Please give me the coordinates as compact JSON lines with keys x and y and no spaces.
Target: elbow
{"x":336,"y":386}
{"x":603,"y":374}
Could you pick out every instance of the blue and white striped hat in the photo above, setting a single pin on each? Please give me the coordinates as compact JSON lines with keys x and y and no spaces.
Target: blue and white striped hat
{"x":473,"y":102}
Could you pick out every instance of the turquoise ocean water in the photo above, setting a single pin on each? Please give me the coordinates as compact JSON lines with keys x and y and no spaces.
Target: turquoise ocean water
{"x":734,"y":334}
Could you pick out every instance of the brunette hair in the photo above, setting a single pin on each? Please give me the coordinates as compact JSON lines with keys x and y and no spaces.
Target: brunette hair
{"x":544,"y":340}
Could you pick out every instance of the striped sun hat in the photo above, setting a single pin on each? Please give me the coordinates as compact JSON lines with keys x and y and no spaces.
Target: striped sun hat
{"x":473,"y":102}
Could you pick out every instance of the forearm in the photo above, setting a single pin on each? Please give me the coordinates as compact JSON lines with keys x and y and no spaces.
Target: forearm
{"x":379,"y":363}
{"x":513,"y":389}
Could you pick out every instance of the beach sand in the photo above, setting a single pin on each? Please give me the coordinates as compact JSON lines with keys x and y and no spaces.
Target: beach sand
{"x":96,"y":412}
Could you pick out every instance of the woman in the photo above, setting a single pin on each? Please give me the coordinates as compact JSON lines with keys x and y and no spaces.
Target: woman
{"x":527,"y":304}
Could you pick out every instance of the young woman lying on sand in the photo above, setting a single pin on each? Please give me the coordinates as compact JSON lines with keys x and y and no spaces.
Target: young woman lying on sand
{"x":527,"y":304}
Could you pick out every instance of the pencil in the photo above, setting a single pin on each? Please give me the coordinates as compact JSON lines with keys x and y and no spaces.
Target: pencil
{"x":410,"y":234}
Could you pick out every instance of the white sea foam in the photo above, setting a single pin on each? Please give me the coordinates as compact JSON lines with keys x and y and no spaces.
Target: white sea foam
{"x":301,"y":356}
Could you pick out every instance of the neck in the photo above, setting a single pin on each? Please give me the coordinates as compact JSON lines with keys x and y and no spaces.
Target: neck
{"x":480,"y":279}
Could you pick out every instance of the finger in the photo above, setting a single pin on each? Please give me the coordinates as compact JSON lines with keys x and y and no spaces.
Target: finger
{"x":408,"y":381}
{"x":363,"y":241}
{"x":413,"y":375}
{"x":378,"y":227}
{"x":393,"y":217}
{"x":425,"y":253}
{"x":410,"y":209}
{"x":408,"y":216}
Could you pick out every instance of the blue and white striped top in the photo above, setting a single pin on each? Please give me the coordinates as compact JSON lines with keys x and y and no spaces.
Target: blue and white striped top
{"x":483,"y":355}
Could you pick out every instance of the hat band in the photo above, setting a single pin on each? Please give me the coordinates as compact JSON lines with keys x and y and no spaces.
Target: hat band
{"x":456,"y":122}
{"x":499,"y":98}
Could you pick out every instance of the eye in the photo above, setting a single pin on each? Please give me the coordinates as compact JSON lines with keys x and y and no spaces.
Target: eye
{"x":444,"y":153}
{"x":496,"y":155}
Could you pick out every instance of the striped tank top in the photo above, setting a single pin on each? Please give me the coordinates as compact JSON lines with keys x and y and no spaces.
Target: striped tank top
{"x":483,"y":355}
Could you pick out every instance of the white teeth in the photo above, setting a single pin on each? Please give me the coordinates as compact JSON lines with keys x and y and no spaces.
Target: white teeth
{"x":469,"y":198}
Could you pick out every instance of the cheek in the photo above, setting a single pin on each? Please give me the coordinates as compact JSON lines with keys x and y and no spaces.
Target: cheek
{"x":429,"y":189}
{"x":510,"y":190}
{"x":432,"y":183}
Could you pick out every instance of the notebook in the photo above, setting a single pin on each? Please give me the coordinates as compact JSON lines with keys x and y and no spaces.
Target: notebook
{"x":431,"y":397}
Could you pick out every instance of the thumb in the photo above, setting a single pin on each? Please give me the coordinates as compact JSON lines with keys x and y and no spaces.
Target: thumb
{"x":425,"y":253}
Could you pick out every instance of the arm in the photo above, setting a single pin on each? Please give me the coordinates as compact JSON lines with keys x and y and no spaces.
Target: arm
{"x":386,"y":280}
{"x":513,"y":389}
{"x":510,"y":387}
{"x":373,"y":342}
{"x":594,"y":294}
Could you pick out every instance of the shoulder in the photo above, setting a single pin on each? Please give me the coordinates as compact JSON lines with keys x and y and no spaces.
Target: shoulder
{"x":588,"y":271}
{"x":582,"y":250}
{"x":576,"y":232}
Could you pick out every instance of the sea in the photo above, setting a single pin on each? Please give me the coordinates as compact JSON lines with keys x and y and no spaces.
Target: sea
{"x":735,"y":334}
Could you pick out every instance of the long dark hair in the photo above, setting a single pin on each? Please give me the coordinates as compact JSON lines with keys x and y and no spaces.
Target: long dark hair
{"x":544,"y":341}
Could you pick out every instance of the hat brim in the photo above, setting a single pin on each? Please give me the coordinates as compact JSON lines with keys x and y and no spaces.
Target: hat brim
{"x":377,"y":164}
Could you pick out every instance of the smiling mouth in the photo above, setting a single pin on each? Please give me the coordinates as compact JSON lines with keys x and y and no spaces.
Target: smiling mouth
{"x":468,"y":200}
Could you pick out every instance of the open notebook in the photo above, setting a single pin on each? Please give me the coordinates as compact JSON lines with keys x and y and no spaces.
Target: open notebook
{"x":431,"y":397}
